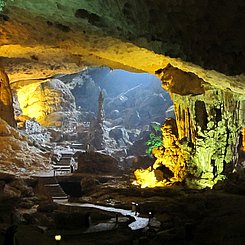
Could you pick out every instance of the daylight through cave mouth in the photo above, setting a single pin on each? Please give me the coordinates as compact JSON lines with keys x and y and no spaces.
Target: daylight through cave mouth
{"x":98,"y":109}
{"x":125,"y":115}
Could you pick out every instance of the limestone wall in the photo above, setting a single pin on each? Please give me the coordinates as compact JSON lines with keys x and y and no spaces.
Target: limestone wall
{"x":6,"y":101}
{"x":209,"y":120}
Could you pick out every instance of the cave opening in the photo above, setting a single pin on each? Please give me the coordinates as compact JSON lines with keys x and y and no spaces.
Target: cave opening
{"x":89,"y":124}
{"x":97,"y":121}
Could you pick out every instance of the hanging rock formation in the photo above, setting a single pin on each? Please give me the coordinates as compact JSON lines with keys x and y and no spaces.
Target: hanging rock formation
{"x":201,"y":148}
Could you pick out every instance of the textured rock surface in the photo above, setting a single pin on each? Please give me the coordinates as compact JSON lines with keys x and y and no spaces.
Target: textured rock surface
{"x":213,"y":29}
{"x":133,"y":99}
{"x":203,"y":148}
{"x":95,"y":162}
{"x":209,"y":119}
{"x":6,"y":101}
{"x":16,"y":156}
{"x":64,"y":42}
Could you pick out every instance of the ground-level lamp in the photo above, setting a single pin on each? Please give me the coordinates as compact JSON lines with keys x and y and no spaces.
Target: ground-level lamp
{"x":135,"y":207}
{"x":150,"y":216}
{"x":57,"y":239}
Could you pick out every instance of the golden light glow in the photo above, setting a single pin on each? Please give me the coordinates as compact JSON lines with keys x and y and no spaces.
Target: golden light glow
{"x":57,"y":237}
{"x":146,"y":178}
{"x":243,"y":139}
{"x":30,"y":102}
{"x":169,"y":156}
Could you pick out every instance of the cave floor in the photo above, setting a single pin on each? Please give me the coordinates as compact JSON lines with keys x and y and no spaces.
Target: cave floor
{"x":177,"y":215}
{"x":186,"y":216}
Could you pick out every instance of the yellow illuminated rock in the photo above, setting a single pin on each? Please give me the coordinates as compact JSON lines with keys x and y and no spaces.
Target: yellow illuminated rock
{"x":147,"y":178}
{"x":46,"y":101}
{"x":243,"y":139}
{"x":6,"y":101}
{"x":169,"y":155}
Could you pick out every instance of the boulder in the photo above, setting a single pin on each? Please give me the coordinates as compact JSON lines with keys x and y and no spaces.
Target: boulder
{"x":95,"y":162}
{"x":89,"y":184}
{"x":135,"y":162}
{"x":120,"y":135}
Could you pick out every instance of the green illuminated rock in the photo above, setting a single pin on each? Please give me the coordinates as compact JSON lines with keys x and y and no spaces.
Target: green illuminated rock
{"x":209,"y":119}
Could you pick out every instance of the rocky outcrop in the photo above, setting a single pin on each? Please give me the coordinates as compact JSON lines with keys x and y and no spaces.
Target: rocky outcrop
{"x":171,"y":161}
{"x":16,"y":156}
{"x":120,"y":135}
{"x":170,"y":155}
{"x":203,"y":148}
{"x":6,"y":101}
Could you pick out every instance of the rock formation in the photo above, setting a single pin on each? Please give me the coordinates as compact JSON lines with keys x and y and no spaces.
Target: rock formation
{"x":6,"y":101}
{"x":203,"y":148}
{"x":16,"y":155}
{"x":171,"y":160}
{"x":97,"y":131}
{"x":49,"y":102}
{"x":243,"y":139}
{"x":95,"y":162}
{"x":209,"y":120}
{"x":170,"y":154}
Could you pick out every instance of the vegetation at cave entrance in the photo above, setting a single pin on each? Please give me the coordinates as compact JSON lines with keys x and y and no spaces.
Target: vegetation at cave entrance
{"x":2,"y":4}
{"x":155,"y":138}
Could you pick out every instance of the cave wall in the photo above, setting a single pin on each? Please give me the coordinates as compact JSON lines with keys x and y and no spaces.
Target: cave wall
{"x":48,"y":38}
{"x":209,"y":120}
{"x":49,"y":101}
{"x":6,"y":100}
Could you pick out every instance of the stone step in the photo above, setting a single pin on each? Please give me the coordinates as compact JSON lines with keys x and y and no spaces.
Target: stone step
{"x":52,"y":188}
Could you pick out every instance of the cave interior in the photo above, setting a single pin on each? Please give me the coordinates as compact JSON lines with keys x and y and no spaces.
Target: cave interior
{"x":122,"y":122}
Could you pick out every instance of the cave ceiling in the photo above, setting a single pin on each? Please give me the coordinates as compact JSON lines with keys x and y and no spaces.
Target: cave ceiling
{"x":39,"y":39}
